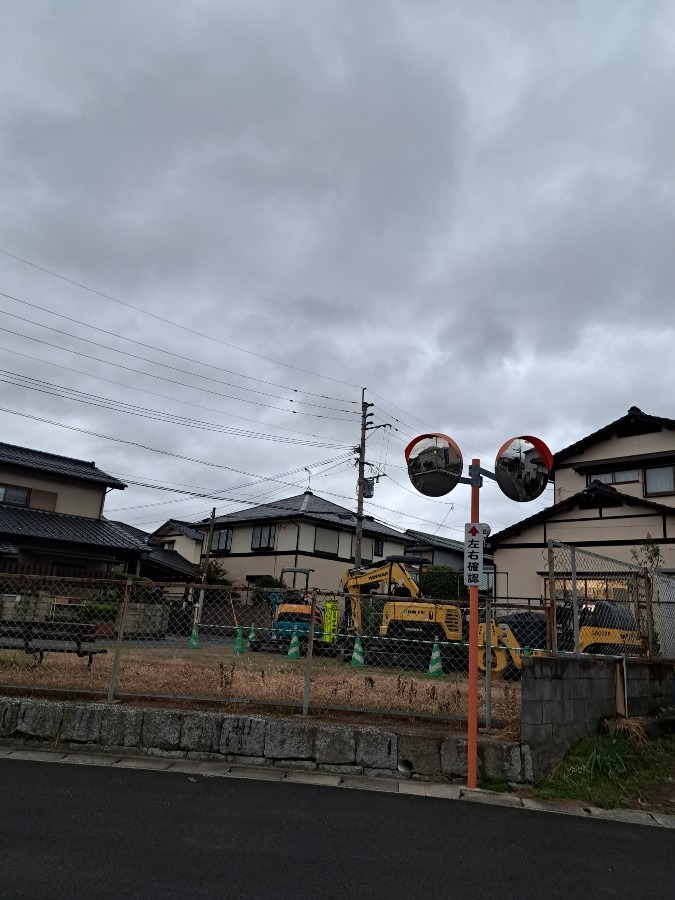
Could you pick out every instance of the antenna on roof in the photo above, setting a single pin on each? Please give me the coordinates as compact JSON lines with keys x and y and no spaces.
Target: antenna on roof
{"x":309,"y":479}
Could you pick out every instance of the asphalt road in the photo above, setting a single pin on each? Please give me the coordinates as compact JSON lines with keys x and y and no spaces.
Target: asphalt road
{"x":92,"y":832}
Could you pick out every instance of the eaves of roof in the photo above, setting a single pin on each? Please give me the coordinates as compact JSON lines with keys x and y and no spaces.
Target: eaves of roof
{"x":633,"y":422}
{"x":58,"y":466}
{"x":34,"y":524}
{"x":589,"y":497}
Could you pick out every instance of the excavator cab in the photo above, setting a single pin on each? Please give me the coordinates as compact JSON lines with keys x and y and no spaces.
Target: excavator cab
{"x":292,"y":607}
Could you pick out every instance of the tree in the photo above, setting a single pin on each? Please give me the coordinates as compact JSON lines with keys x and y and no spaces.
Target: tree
{"x":262,"y":588}
{"x":648,"y":554}
{"x":443,"y":583}
{"x":216,"y":575}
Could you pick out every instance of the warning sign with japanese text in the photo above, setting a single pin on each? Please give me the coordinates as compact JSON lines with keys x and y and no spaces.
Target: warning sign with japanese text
{"x":473,"y":554}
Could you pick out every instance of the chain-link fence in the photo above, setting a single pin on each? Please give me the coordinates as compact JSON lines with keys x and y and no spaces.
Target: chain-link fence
{"x":609,"y":607}
{"x":243,"y":645}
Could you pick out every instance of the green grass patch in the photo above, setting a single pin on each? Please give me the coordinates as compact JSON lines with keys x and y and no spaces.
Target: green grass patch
{"x":499,"y":785}
{"x":610,"y":770}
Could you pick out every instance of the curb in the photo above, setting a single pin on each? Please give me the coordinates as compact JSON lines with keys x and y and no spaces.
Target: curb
{"x":353,"y":782}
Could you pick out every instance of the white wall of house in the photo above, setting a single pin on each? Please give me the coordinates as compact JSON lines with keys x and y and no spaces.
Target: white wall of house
{"x":71,"y":499}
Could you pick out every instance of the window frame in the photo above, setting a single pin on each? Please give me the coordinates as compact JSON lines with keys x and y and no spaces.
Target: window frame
{"x":168,"y":545}
{"x":221,"y":549}
{"x":590,"y":477}
{"x":659,"y":493}
{"x":378,"y":547}
{"x":15,"y":487}
{"x":268,"y":531}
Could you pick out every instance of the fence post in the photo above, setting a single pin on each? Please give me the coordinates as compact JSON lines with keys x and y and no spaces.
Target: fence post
{"x":310,"y":650}
{"x":551,"y":620}
{"x":120,"y":636}
{"x":488,"y":662}
{"x":575,"y":601}
{"x":650,"y":613}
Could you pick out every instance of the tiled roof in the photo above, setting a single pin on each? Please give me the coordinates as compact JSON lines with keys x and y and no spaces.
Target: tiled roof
{"x":307,"y":506}
{"x":433,"y":540}
{"x":49,"y":526}
{"x":138,"y":533}
{"x":61,"y":466}
{"x":187,"y":530}
{"x":7,"y":549}
{"x":170,"y":559}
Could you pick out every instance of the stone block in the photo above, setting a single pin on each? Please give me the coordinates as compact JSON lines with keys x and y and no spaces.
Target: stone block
{"x":121,"y":726}
{"x":285,"y":739}
{"x":82,"y":724}
{"x":320,"y":778}
{"x":334,"y":745}
{"x":200,"y":732}
{"x":40,"y":719}
{"x":554,"y":712}
{"x":528,"y":764}
{"x":376,"y":749}
{"x":532,"y":713}
{"x":420,"y":754}
{"x":502,"y":760}
{"x":161,"y":729}
{"x":304,"y":765}
{"x":9,"y":714}
{"x":249,"y":760}
{"x":166,"y":754}
{"x":204,"y":757}
{"x":243,"y":736}
{"x":454,"y":757}
{"x":340,"y":770}
{"x":381,"y":773}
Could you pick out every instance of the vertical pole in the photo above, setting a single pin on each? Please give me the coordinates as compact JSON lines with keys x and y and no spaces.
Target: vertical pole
{"x":310,"y":650}
{"x":650,"y":612}
{"x":575,"y":601}
{"x":205,"y":570}
{"x":551,"y":620}
{"x":120,"y":635}
{"x":472,"y":732}
{"x":488,"y":662}
{"x":362,"y":480}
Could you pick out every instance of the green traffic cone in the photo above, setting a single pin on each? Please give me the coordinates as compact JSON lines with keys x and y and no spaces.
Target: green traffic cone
{"x":357,"y":655}
{"x":435,"y":663}
{"x":294,"y":647}
{"x":193,"y":643}
{"x":251,"y":636}
{"x":239,"y":642}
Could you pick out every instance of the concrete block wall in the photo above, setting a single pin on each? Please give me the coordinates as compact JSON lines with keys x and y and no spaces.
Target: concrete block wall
{"x":650,"y":685}
{"x":256,"y":740}
{"x":563,"y":699}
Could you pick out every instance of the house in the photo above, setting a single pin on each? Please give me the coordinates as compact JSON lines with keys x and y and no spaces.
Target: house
{"x":304,"y":531}
{"x":51,"y":517}
{"x":161,"y":562}
{"x":181,"y":537}
{"x":613,"y":489}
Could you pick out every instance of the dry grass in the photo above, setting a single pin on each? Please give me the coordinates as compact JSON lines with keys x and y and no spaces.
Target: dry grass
{"x":260,"y":678}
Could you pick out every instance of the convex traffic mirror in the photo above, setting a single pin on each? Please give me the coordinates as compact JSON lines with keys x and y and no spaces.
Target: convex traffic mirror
{"x":434,"y":464}
{"x":522,"y":468}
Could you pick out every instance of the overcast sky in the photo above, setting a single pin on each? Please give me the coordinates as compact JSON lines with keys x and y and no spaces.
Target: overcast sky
{"x":465,"y":207}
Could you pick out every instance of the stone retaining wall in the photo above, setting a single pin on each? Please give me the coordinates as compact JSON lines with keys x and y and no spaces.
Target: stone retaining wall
{"x":255,"y":740}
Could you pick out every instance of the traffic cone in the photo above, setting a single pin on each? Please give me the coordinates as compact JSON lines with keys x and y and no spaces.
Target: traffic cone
{"x":239,"y":641}
{"x":294,"y":646}
{"x":251,"y":637}
{"x":435,"y":663}
{"x":193,"y":643}
{"x":357,"y":655}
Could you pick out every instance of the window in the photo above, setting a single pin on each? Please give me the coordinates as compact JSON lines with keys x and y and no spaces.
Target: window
{"x":623,"y":476}
{"x":167,"y":545}
{"x":263,"y":537}
{"x":659,"y":481}
{"x":221,"y":542}
{"x":378,"y":547}
{"x":14,"y":496}
{"x":326,"y":541}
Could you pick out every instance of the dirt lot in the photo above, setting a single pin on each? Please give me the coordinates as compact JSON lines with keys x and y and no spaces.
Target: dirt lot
{"x":258,"y":678}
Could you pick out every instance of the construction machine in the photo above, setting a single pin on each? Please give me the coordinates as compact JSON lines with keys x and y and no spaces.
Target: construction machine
{"x":605,"y":628}
{"x":404,"y":629}
{"x":291,"y":610}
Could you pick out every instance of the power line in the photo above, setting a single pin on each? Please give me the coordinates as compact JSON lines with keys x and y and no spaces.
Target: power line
{"x":153,"y":362}
{"x":193,"y":387}
{"x":154,"y":393}
{"x":65,"y":393}
{"x":171,"y":353}
{"x":145,"y":312}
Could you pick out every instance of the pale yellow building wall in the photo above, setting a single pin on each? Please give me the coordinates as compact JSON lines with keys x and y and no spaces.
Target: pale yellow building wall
{"x":72,"y":499}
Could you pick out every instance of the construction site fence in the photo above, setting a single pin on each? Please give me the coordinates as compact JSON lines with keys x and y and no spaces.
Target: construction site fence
{"x":608,"y":606}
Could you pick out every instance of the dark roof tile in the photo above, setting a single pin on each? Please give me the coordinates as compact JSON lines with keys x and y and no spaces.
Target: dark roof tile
{"x":60,"y":466}
{"x":36,"y":524}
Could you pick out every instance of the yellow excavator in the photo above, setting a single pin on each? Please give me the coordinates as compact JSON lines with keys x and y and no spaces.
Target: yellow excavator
{"x":403,"y":629}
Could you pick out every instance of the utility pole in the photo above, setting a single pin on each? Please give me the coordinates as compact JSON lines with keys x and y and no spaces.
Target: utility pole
{"x":361,"y":482}
{"x":193,"y":643}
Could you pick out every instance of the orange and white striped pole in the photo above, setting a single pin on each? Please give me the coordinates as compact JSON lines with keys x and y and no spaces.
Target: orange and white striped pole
{"x":472,"y":730}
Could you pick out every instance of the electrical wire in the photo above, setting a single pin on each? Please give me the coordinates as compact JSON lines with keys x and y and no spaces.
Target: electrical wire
{"x":145,"y":312}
